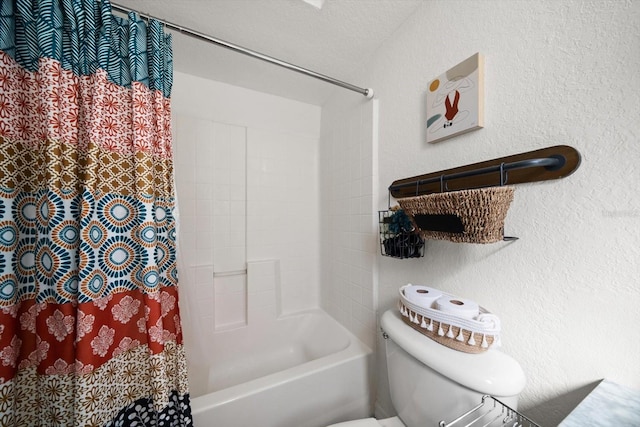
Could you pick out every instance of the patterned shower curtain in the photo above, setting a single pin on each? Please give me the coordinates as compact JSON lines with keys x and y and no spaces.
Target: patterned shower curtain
{"x":89,"y":323}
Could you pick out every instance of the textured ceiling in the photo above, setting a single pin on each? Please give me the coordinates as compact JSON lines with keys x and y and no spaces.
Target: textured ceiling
{"x":336,"y":40}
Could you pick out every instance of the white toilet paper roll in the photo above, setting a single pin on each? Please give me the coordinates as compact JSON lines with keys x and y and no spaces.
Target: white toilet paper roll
{"x":422,"y":296}
{"x":458,"y":306}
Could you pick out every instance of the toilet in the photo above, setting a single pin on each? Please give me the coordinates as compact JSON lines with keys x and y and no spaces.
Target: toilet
{"x":429,"y":382}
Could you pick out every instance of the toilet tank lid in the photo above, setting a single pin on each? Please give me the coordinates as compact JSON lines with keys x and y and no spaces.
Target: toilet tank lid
{"x":490,"y":372}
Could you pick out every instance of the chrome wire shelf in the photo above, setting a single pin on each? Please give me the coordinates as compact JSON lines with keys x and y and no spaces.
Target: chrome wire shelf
{"x":490,"y":413}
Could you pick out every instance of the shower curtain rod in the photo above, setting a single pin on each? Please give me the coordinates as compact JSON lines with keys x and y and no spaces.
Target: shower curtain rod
{"x":368,"y":92}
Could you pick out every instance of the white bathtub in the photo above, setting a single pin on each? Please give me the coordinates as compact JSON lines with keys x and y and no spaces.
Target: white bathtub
{"x":302,"y":370}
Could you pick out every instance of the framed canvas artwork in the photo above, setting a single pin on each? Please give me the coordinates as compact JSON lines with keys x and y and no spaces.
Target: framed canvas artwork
{"x":455,"y":103}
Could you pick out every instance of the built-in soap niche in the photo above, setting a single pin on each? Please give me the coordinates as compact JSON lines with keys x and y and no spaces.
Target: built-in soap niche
{"x":469,"y":204}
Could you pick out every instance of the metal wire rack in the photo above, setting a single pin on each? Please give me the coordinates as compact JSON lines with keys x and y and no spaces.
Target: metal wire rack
{"x":491,"y":412}
{"x":398,"y":241}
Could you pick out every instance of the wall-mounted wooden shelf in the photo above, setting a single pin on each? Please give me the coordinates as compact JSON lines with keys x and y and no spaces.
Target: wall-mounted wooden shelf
{"x":539,"y":165}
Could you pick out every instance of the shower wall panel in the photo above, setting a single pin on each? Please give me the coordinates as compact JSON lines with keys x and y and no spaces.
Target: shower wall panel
{"x":283,"y":212}
{"x":247,"y":185}
{"x":211,"y":186}
{"x":349,"y":178}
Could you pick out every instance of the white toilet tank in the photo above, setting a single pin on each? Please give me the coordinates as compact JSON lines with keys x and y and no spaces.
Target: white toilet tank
{"x":430,"y":382}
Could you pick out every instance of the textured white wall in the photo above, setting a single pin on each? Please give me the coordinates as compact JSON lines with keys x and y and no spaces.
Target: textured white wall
{"x":556,"y":72}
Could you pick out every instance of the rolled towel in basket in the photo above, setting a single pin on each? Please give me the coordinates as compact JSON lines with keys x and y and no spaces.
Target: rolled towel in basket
{"x":490,"y":319}
{"x":422,"y":296}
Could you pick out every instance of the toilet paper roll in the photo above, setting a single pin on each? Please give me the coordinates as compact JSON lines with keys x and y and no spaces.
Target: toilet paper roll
{"x":422,"y":296}
{"x":458,"y":306}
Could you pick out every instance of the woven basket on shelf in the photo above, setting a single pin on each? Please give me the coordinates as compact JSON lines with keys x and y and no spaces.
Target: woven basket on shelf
{"x":466,"y":335}
{"x":480,"y":214}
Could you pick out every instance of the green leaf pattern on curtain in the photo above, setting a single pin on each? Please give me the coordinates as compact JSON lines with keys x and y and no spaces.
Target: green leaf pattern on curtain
{"x":7,"y":29}
{"x":124,"y":49}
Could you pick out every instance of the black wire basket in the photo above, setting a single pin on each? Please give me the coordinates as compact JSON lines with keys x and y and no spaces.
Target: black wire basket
{"x":398,"y":238}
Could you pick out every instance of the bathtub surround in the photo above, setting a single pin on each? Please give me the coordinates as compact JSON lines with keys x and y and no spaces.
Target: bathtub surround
{"x":349,"y":234}
{"x":247,"y":187}
{"x":556,"y":72}
{"x":264,"y":293}
{"x":212,"y":200}
{"x":231,"y":326}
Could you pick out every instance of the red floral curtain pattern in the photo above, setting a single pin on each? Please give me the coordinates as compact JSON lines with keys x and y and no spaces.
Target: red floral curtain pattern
{"x":89,"y":322}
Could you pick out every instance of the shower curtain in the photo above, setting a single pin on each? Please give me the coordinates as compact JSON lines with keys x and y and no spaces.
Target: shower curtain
{"x":89,"y":324}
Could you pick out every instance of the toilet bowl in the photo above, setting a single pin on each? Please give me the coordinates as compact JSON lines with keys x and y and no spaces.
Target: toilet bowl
{"x":429,"y":382}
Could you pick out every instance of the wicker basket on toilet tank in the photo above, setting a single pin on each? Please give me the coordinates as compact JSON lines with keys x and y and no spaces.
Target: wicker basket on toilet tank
{"x":462,"y":334}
